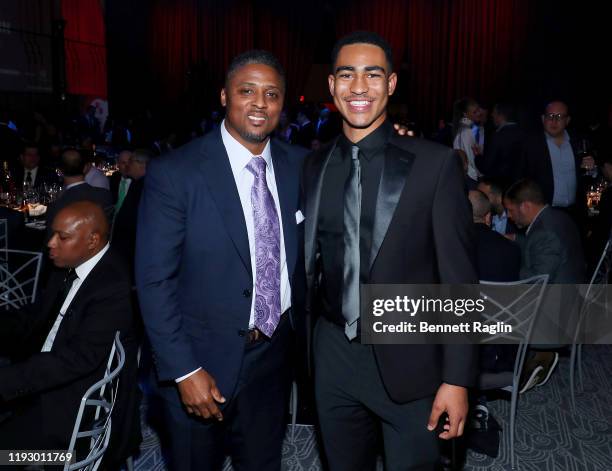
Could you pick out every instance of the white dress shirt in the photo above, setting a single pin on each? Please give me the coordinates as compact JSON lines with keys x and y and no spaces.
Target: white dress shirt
{"x":81,"y":271}
{"x":239,"y":157}
{"x":33,"y":173}
{"x":96,"y":177}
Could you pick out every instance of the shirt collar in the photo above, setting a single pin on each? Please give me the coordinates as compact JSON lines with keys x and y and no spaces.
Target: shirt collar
{"x":535,"y":219}
{"x":85,"y":268}
{"x":370,"y":145}
{"x":240,"y":156}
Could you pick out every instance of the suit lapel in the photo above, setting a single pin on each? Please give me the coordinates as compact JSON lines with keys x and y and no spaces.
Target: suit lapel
{"x":311,"y":207}
{"x":396,"y":168}
{"x":217,"y":173}
{"x":287,"y":200}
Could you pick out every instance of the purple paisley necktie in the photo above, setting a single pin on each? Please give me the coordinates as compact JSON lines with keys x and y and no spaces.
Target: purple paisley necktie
{"x":267,"y":250}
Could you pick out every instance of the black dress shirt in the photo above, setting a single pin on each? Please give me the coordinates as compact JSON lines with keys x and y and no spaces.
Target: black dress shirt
{"x":330,"y":228}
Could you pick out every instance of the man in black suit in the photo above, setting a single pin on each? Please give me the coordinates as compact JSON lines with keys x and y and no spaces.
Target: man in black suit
{"x":61,"y":345}
{"x":498,"y":259}
{"x":551,"y":159}
{"x":29,"y":174}
{"x":494,"y":190}
{"x":75,"y":189}
{"x":414,"y":227}
{"x":502,"y":157}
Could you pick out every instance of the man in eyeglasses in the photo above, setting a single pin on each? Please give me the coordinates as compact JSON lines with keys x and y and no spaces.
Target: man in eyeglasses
{"x":553,"y":160}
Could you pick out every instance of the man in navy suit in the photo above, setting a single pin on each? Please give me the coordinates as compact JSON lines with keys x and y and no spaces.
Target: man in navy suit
{"x":217,"y":251}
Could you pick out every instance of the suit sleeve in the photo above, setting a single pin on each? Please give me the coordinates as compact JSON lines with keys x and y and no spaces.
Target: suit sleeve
{"x":80,"y":356}
{"x":454,"y":241}
{"x":159,"y":242}
{"x":543,"y":254}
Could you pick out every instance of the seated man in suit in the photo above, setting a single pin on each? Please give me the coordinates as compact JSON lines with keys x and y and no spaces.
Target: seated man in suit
{"x":75,"y":188}
{"x":60,"y":346}
{"x":494,"y":191}
{"x":551,"y":245}
{"x":29,"y":174}
{"x":497,"y":259}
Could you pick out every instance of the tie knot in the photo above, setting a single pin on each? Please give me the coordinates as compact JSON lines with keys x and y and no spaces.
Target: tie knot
{"x":71,"y":275}
{"x":257,"y":166}
{"x":355,"y":152}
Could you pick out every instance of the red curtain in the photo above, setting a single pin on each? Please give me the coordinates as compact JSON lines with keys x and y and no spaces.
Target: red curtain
{"x":206,"y":35}
{"x":388,"y":18}
{"x":444,"y":49}
{"x":458,"y":48}
{"x":85,"y":47}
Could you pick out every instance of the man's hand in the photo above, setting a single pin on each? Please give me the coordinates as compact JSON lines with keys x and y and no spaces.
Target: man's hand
{"x":200,"y":395}
{"x":402,"y":130}
{"x":476,"y":149}
{"x":454,"y":401}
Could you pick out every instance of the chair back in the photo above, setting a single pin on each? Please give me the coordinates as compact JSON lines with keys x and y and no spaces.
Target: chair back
{"x":595,"y":297}
{"x":520,"y":311}
{"x":19,"y":278}
{"x":97,"y":402}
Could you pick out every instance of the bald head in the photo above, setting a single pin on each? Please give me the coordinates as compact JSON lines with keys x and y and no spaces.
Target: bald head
{"x":481,"y":207}
{"x":79,"y":232}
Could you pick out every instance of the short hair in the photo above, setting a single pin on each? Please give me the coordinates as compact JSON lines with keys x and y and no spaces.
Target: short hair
{"x":525,"y":190}
{"x":495,"y":184}
{"x":506,"y":110}
{"x":72,"y":163}
{"x":548,"y":103}
{"x":363,"y":37}
{"x":141,"y":155}
{"x":254,"y":56}
{"x":481,"y":206}
{"x":27,"y":145}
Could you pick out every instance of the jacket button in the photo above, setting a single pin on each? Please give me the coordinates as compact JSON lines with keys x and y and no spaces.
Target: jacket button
{"x":247,"y":293}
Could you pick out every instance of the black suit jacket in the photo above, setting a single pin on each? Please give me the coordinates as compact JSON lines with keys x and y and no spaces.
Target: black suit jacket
{"x":114,"y":180}
{"x":82,"y":192}
{"x":502,"y":157}
{"x":43,"y":175}
{"x":53,"y":383}
{"x":553,"y":247}
{"x":538,"y":167}
{"x":423,"y":233}
{"x":124,"y":224}
{"x":498,"y":259}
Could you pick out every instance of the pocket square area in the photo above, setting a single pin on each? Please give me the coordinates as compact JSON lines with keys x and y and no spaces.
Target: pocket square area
{"x":299,"y":217}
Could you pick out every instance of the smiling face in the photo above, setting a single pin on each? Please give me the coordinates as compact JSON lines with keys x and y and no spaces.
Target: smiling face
{"x":361,"y":86}
{"x":253,"y":98}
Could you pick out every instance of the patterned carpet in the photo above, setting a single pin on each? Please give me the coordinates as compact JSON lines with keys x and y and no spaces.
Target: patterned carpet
{"x":550,"y":437}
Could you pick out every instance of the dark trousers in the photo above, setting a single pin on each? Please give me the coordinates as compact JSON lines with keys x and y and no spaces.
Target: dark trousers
{"x":353,"y":406}
{"x":254,"y":419}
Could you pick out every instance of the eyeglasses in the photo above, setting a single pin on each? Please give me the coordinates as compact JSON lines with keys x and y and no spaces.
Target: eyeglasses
{"x":555,"y":117}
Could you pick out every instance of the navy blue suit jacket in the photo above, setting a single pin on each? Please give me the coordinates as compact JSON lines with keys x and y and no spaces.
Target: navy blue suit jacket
{"x":193,"y":268}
